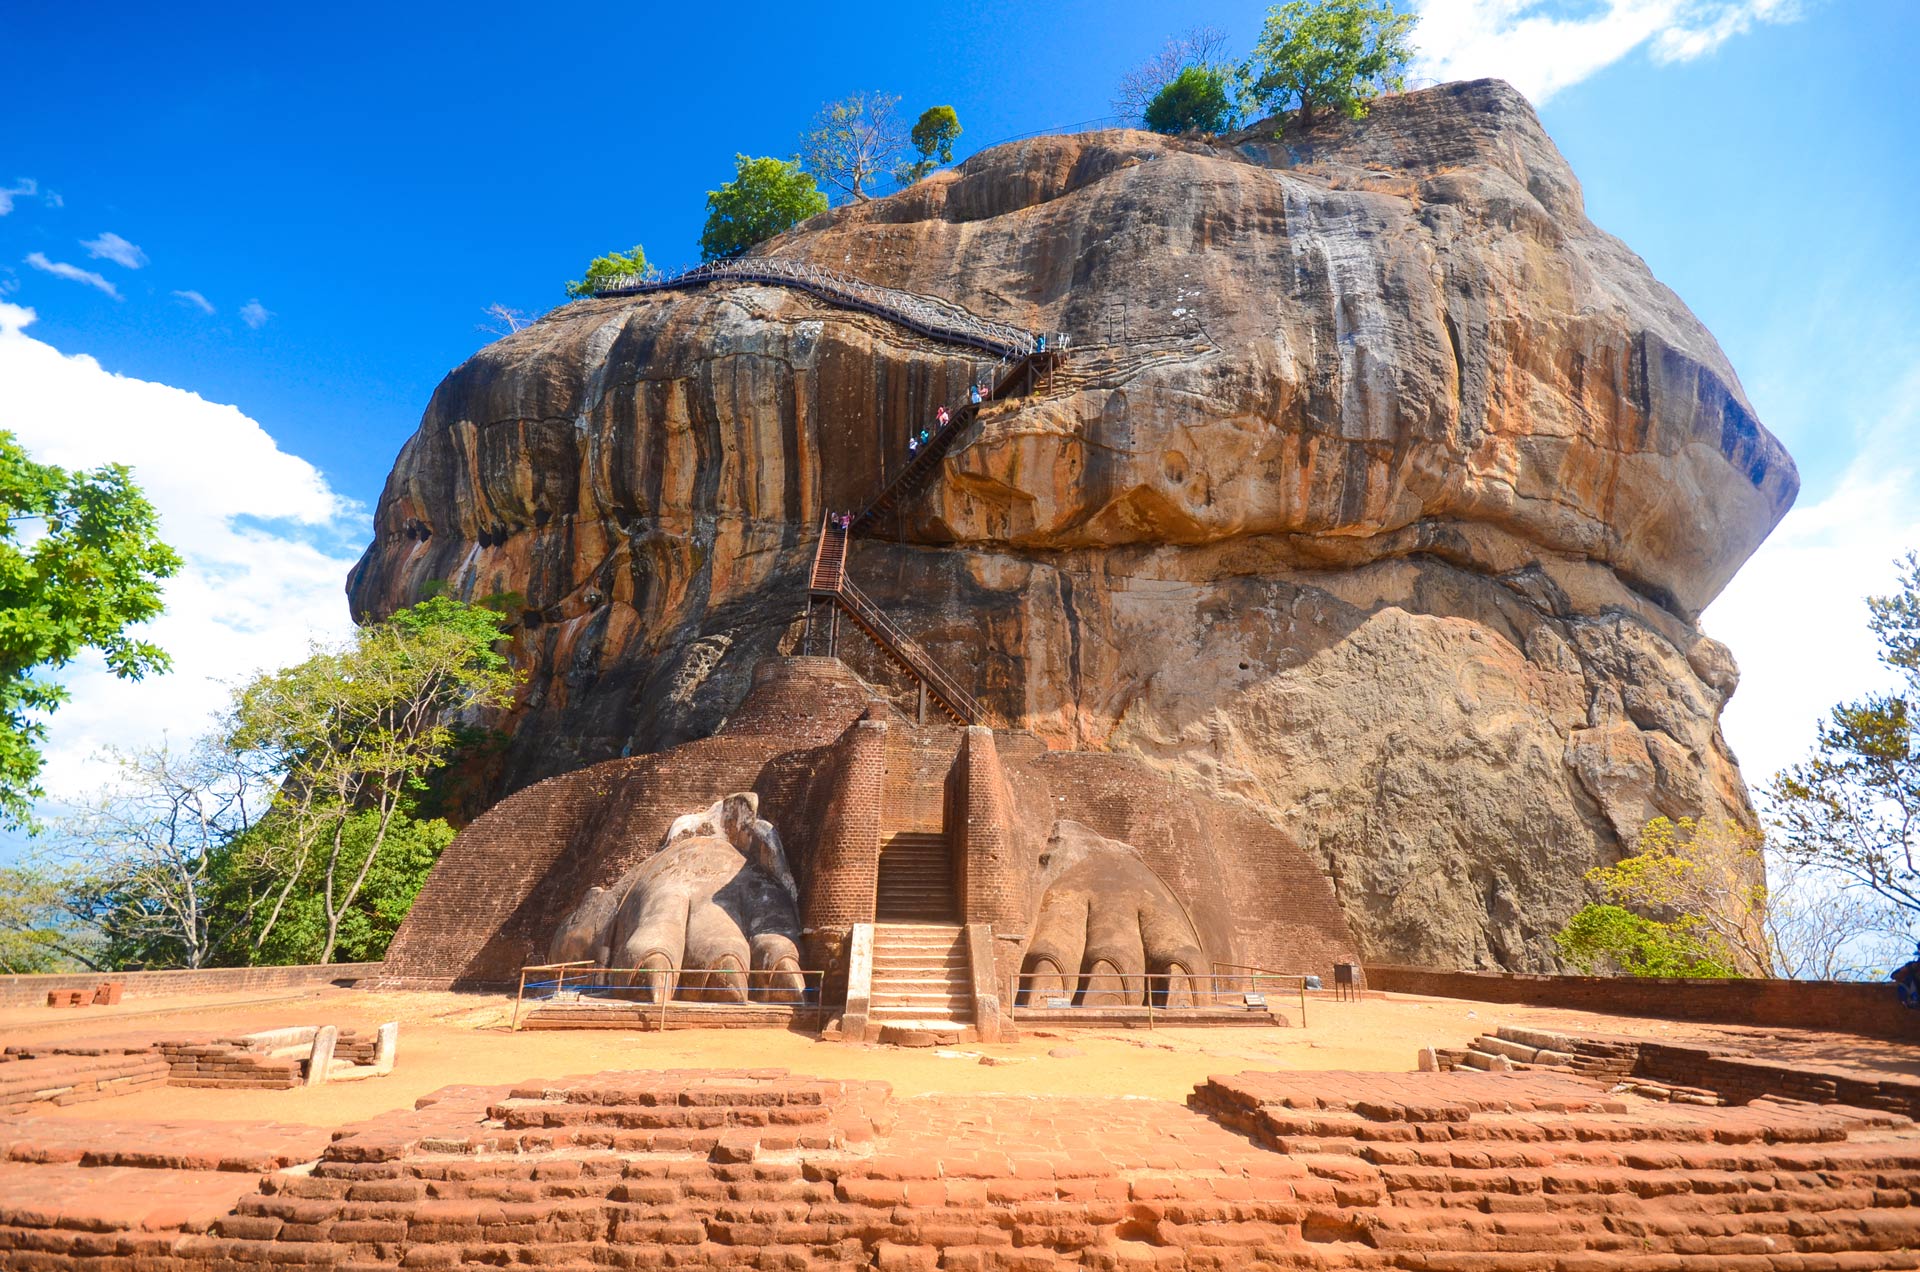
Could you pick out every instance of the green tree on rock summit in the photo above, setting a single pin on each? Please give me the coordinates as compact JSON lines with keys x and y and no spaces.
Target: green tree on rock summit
{"x":1198,"y":99}
{"x":81,"y":564}
{"x":607,"y":271}
{"x":933,"y":136}
{"x":1327,"y":55}
{"x":766,"y":197}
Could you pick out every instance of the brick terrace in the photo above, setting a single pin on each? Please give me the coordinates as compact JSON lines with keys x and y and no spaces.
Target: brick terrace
{"x":1469,"y":1172}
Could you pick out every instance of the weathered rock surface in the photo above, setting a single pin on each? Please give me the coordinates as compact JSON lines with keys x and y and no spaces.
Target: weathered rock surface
{"x":1381,"y":492}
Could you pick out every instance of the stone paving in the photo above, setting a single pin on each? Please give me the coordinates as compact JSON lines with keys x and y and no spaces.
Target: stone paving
{"x":1434,"y":1172}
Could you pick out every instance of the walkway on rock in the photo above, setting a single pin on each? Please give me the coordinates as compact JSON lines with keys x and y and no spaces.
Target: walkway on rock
{"x":928,"y":316}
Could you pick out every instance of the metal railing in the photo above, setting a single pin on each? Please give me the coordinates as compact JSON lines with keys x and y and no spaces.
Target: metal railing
{"x":909,"y":651}
{"x":661,"y":987}
{"x":930,"y":316}
{"x":1242,"y":987}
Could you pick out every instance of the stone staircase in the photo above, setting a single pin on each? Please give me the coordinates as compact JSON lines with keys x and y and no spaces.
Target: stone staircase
{"x":922,"y":978}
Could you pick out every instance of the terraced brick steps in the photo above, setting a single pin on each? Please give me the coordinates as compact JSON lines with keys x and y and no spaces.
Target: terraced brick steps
{"x":921,"y":975}
{"x":1449,"y":1172}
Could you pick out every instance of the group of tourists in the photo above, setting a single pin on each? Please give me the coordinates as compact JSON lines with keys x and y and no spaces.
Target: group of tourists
{"x":943,"y":418}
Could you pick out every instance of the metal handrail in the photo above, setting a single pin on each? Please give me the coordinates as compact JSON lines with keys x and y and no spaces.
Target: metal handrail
{"x":1256,"y":977}
{"x":595,"y":980}
{"x":910,"y":651}
{"x":930,"y":316}
{"x":820,"y":550}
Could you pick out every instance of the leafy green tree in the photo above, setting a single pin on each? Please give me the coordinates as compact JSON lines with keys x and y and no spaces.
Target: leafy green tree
{"x":355,"y":730}
{"x":1200,"y":46}
{"x":933,"y":136}
{"x":766,"y":197}
{"x":81,"y":563}
{"x":1333,"y":55}
{"x":1198,"y":99}
{"x":398,"y":861}
{"x":853,"y":141}
{"x":1690,"y":901}
{"x":608,"y":271}
{"x":1853,"y":807}
{"x":1601,"y":938}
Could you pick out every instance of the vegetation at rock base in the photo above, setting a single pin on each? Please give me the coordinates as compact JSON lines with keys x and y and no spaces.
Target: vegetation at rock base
{"x":294,"y":833}
{"x":766,"y":197}
{"x":1853,"y":807}
{"x":81,"y":564}
{"x":1327,"y":55}
{"x":1610,"y":938}
{"x":853,"y":141}
{"x":933,"y":136}
{"x":607,"y":271}
{"x":1690,"y":901}
{"x":357,"y":729}
{"x":1198,"y":99}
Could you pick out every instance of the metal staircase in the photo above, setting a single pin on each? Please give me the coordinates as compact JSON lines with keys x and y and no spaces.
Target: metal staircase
{"x":1030,"y":362}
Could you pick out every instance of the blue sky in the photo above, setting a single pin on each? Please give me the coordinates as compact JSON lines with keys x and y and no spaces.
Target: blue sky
{"x":342,"y":191}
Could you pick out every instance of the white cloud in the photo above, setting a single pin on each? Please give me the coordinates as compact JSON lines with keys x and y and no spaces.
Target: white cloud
{"x":111,"y":247}
{"x":1543,"y":46}
{"x":1796,"y":616}
{"x":24,"y":186}
{"x":267,"y":543}
{"x":73,"y":273}
{"x":195,"y":299}
{"x":255,"y":314}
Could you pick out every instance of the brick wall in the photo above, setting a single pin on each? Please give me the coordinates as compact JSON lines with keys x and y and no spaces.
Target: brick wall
{"x":996,"y":887}
{"x":1844,"y":1006}
{"x":841,"y":888}
{"x":20,"y":991}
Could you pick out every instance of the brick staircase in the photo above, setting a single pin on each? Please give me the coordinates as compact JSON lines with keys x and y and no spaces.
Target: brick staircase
{"x":916,"y":879}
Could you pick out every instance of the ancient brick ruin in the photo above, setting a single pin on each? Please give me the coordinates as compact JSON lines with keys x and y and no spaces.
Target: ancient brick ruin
{"x":938,"y":835}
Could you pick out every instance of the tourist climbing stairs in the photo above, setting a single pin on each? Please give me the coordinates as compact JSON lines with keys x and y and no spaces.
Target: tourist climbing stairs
{"x":1018,"y":380}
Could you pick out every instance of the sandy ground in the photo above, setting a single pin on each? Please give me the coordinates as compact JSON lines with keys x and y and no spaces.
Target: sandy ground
{"x":463,"y":1038}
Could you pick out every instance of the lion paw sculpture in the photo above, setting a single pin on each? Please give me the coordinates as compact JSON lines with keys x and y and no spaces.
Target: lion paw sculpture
{"x":713,"y":904}
{"x":1109,"y":932}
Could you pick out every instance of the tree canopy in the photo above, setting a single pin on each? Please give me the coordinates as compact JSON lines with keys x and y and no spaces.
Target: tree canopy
{"x":933,"y":136}
{"x":1690,"y":901}
{"x":607,"y":271}
{"x":1332,"y":55}
{"x":1200,"y":46}
{"x":766,"y":197}
{"x":1198,"y":99}
{"x":1853,"y":807}
{"x":853,"y":141}
{"x":81,"y":564}
{"x":354,"y":731}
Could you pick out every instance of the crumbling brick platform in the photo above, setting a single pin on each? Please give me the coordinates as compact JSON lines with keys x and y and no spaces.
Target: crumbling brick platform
{"x":1439,"y":1172}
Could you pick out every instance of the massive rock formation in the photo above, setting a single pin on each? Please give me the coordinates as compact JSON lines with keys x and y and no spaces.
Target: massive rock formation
{"x":1381,"y":493}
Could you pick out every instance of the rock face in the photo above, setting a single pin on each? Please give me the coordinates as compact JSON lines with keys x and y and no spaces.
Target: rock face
{"x":1380,"y":492}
